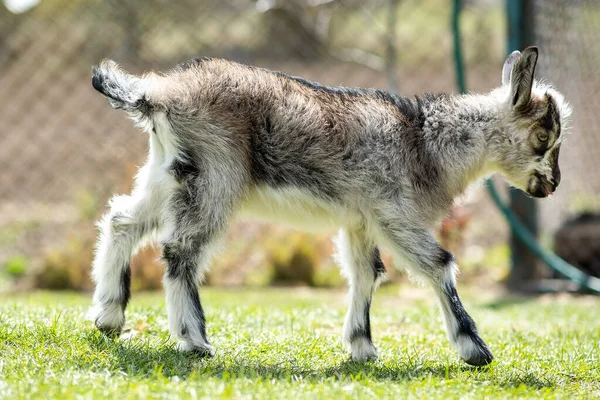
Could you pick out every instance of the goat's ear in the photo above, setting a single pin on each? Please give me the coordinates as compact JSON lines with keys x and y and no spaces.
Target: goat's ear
{"x":521,"y":78}
{"x":508,"y":66}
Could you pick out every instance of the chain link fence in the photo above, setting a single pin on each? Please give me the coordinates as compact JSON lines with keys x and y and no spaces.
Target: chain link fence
{"x":63,"y":151}
{"x":570,"y":31}
{"x":570,"y":34}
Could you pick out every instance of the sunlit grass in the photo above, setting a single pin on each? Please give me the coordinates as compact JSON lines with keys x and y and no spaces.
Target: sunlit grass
{"x":284,"y":343}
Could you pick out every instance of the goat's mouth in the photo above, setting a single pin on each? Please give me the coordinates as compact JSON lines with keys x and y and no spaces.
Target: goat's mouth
{"x":540,"y":187}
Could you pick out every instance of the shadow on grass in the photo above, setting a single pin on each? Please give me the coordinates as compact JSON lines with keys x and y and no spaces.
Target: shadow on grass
{"x":148,"y":360}
{"x":143,"y":359}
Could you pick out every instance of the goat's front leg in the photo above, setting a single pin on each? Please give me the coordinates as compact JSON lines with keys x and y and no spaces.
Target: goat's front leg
{"x":428,"y":260}
{"x":361,"y":264}
{"x":121,"y":230}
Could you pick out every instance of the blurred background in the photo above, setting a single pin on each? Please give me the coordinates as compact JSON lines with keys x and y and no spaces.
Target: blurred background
{"x":64,"y":152}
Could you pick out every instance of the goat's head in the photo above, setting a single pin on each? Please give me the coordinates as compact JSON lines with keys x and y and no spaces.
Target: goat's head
{"x":536,"y":121}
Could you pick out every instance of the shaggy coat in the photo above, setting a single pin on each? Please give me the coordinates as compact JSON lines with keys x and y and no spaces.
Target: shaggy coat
{"x":229,"y":139}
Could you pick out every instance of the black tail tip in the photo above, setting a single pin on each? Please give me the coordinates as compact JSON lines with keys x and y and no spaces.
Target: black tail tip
{"x":98,"y":79}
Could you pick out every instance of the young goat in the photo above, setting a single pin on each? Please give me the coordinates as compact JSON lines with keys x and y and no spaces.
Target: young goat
{"x":227,"y":138}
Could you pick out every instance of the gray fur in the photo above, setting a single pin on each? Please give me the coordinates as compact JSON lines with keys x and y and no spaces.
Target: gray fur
{"x":226,"y":139}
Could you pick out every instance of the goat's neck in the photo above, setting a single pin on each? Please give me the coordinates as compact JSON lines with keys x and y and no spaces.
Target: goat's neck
{"x":467,"y":131}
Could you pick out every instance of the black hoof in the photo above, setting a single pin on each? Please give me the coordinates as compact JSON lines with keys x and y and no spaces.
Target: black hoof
{"x":202,"y":353}
{"x":110,"y":331}
{"x":481,"y":358}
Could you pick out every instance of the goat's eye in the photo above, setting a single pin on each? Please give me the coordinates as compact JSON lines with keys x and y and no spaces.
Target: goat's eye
{"x":542,"y":137}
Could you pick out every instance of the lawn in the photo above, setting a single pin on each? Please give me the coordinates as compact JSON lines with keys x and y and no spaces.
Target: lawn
{"x":284,"y":343}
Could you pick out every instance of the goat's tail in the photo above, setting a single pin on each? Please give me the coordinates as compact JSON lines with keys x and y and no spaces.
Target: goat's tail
{"x":122,"y":89}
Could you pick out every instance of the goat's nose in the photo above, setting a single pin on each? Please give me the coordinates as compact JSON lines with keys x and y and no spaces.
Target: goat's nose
{"x":556,"y":176}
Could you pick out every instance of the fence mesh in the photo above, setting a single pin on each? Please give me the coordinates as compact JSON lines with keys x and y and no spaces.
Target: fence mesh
{"x":64,"y":151}
{"x":569,"y":32}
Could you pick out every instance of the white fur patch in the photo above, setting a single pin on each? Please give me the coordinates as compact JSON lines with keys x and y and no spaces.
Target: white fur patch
{"x":295,"y":207}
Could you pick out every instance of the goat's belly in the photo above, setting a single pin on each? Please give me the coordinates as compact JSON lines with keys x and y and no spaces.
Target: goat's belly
{"x":296,"y":208}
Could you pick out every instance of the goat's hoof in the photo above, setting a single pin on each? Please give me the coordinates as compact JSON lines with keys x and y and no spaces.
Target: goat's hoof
{"x":201,"y":351}
{"x":108,"y":319}
{"x":480,"y":360}
{"x":363,"y":350}
{"x":474,"y":351}
{"x":107,"y":330}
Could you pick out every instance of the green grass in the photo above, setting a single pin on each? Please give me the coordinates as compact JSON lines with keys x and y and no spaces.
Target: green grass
{"x":284,"y":343}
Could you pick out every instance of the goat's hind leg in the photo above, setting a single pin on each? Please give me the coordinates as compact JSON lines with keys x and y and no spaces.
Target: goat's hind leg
{"x":187,"y":254}
{"x":199,"y":210}
{"x":121,"y":230}
{"x":186,"y":257}
{"x":361,"y":264}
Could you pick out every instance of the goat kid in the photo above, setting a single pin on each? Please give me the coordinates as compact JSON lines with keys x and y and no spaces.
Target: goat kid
{"x":228,"y":139}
